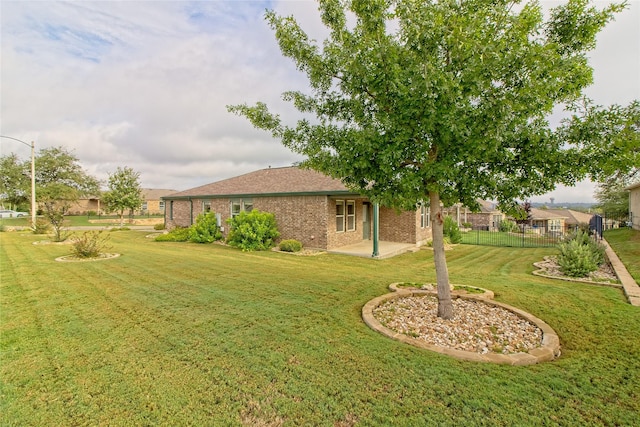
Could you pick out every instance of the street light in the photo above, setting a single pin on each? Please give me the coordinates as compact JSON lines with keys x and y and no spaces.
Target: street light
{"x":33,"y":177}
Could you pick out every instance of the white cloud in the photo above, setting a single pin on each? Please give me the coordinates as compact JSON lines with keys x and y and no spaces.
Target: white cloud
{"x":145,"y":84}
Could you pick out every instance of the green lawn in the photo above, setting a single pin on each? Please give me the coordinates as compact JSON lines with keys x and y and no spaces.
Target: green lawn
{"x":187,"y":334}
{"x":73,"y":220}
{"x":495,"y":238}
{"x":626,"y":243}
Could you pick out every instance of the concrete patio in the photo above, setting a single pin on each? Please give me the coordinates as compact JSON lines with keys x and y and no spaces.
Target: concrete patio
{"x":385,"y":249}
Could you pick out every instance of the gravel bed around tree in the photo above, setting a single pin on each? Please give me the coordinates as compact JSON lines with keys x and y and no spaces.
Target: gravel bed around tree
{"x":476,"y":326}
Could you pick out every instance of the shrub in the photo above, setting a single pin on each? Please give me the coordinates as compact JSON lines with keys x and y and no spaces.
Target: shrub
{"x":580,"y":255}
{"x":467,"y":225}
{"x":206,"y":229}
{"x":90,"y":244}
{"x":41,"y":227}
{"x":253,"y":231}
{"x":451,"y":230}
{"x":178,"y":234}
{"x":159,"y":226}
{"x":290,"y":245}
{"x":508,"y":226}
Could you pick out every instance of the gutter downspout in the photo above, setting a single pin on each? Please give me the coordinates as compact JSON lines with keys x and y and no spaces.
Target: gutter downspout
{"x":376,"y":214}
{"x":191,"y":212}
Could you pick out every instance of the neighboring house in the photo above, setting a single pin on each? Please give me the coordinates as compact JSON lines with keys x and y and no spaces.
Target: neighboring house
{"x":573,"y":220}
{"x":634,"y":205}
{"x":311,"y":207}
{"x":152,"y":204}
{"x":85,"y":205}
{"x":488,"y":218}
{"x":547,"y":221}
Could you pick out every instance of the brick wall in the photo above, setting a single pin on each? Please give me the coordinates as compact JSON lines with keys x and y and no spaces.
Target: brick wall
{"x":309,"y":219}
{"x":398,"y":226}
{"x":336,"y":239}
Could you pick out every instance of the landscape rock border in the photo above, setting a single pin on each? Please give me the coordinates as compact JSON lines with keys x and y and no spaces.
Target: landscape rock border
{"x":542,"y":272}
{"x":73,"y":258}
{"x":548,"y":351}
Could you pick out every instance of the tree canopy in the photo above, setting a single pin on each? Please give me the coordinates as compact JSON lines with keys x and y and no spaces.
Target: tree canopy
{"x":124,"y":191}
{"x":446,"y":101}
{"x":14,"y":180}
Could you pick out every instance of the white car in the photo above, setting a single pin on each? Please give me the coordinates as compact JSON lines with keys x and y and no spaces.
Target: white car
{"x":5,"y":213}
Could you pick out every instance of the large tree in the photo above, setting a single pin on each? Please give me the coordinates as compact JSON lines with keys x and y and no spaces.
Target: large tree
{"x":440,"y":101}
{"x":14,"y":181}
{"x":60,"y":181}
{"x":124,"y":191}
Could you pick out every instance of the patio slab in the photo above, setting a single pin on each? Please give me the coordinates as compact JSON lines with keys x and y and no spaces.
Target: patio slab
{"x":385,"y":249}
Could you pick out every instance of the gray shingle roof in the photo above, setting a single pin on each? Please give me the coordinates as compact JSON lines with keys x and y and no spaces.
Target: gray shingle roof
{"x":271,"y":181}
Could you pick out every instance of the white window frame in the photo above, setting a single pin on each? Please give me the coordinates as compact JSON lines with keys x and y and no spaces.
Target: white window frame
{"x":350,"y":218}
{"x":340,"y":217}
{"x":243,"y":205}
{"x":206,"y":206}
{"x":425,"y":216}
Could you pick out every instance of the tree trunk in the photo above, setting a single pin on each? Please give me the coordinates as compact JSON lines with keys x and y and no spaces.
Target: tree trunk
{"x":121,"y":218}
{"x":445,"y":306}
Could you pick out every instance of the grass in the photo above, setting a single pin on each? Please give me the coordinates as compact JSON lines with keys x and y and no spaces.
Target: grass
{"x":74,"y":220}
{"x":187,"y":334}
{"x":495,"y":238}
{"x":626,"y":243}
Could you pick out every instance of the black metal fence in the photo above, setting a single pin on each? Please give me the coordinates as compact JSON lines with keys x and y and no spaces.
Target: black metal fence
{"x":526,"y":237}
{"x":601,"y":223}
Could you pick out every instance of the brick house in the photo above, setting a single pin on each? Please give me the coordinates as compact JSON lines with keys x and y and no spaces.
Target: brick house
{"x":152,"y":203}
{"x":309,"y":206}
{"x":487,"y":218}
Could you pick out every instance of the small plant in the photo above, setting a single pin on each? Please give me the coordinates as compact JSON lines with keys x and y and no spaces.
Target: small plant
{"x":580,"y":255}
{"x":467,"y":225}
{"x":90,"y":244}
{"x":178,"y":234}
{"x":206,"y":229}
{"x":120,"y":229}
{"x":253,"y":231}
{"x":451,"y":230}
{"x":159,"y":227}
{"x":508,"y":226}
{"x":41,"y":227}
{"x":290,"y":245}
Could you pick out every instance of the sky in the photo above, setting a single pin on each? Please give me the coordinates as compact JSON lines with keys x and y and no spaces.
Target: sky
{"x":145,"y":84}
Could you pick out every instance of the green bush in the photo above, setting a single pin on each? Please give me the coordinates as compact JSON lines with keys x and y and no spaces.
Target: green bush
{"x":206,"y":229}
{"x":290,"y":245}
{"x":41,"y":227}
{"x":253,"y":231}
{"x":580,"y":255}
{"x":159,"y":226}
{"x":508,"y":226}
{"x":178,"y":234}
{"x":451,"y":230}
{"x":90,"y":244}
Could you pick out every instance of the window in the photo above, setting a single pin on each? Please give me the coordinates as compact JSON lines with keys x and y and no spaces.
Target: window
{"x":144,"y":206}
{"x":339,"y":215}
{"x":351,"y":215}
{"x":161,"y":206}
{"x":206,"y":206}
{"x":240,"y":205}
{"x":345,"y":215}
{"x":425,"y":216}
{"x":555,"y":225}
